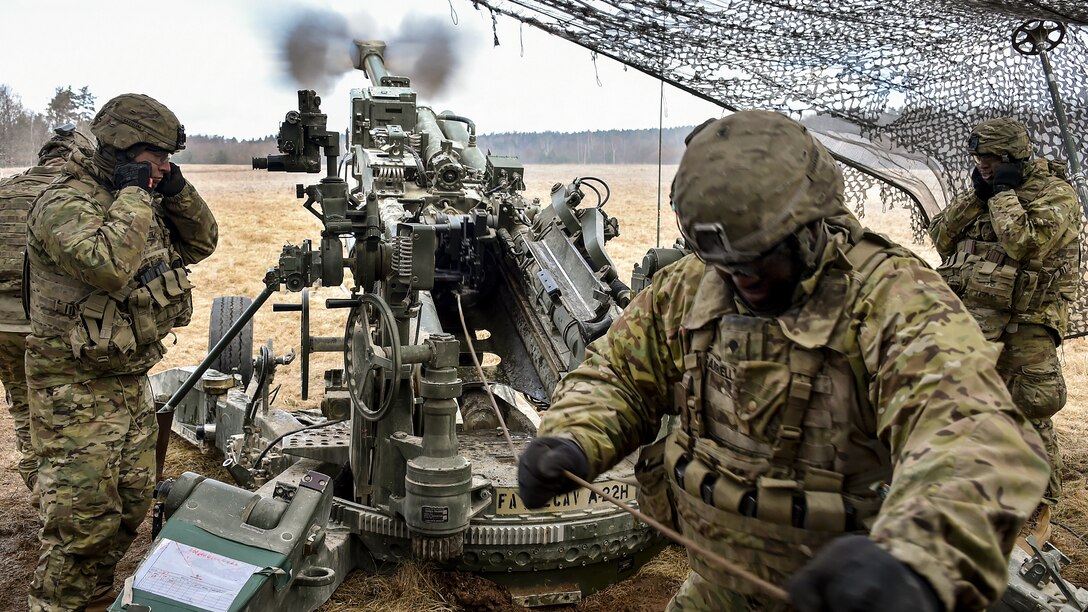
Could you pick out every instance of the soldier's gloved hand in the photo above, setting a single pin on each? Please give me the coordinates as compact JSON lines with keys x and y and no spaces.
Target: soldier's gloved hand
{"x":983,"y":189}
{"x":172,"y":183}
{"x":1007,"y":176}
{"x":133,"y":174}
{"x":540,"y":469}
{"x":854,"y":574}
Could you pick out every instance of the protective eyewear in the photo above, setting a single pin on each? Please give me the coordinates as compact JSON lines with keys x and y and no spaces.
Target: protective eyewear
{"x":161,"y":156}
{"x":758,"y":267}
{"x":712,"y":244}
{"x":986,"y":158}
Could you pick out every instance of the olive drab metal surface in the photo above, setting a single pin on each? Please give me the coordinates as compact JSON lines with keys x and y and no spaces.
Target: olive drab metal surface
{"x":441,"y":241}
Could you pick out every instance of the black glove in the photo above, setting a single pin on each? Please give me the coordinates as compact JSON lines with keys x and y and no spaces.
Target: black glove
{"x":854,"y":574}
{"x":540,"y":469}
{"x":172,"y":183}
{"x":1007,"y":176}
{"x":133,"y":174}
{"x":983,"y":189}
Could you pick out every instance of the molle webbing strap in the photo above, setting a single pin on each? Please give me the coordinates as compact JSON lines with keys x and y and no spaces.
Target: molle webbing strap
{"x":804,"y":365}
{"x":992,"y":252}
{"x":689,"y":390}
{"x":108,"y":315}
{"x":13,"y":234}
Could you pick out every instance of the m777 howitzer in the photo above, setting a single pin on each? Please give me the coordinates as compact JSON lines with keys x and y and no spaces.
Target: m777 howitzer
{"x":404,"y":461}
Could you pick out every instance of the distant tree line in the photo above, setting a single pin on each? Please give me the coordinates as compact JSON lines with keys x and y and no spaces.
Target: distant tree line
{"x":600,"y":147}
{"x":23,"y":131}
{"x":200,"y":149}
{"x":604,"y":147}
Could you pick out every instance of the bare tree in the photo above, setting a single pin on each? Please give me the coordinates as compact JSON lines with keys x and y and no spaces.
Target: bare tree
{"x":21,"y":131}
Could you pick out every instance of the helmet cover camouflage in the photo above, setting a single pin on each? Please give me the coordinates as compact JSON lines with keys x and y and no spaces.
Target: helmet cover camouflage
{"x":131,"y":119}
{"x":66,"y":140}
{"x":748,"y":181}
{"x":1001,"y":136}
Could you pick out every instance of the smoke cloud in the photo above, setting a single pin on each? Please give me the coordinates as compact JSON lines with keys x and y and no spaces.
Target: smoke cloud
{"x":427,"y":50}
{"x":318,"y":49}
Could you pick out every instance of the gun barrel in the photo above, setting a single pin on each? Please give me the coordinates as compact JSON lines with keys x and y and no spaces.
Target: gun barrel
{"x":371,"y":59}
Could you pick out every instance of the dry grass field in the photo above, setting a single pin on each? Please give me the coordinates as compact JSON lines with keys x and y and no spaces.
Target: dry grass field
{"x":258,"y":213}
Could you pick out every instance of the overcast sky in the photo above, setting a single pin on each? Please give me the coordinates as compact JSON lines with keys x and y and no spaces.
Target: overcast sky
{"x":220,"y":65}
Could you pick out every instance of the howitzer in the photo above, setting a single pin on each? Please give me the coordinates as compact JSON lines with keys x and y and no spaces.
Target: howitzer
{"x":404,"y":461}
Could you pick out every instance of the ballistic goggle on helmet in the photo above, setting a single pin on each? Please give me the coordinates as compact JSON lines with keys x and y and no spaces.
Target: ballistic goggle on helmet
{"x":1002,"y":137}
{"x":748,"y":181}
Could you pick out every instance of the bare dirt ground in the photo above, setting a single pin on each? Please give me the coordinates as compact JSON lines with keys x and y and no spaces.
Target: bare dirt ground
{"x":257,"y":214}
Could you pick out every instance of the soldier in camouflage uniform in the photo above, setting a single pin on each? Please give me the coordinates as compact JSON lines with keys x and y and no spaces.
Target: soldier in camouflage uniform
{"x":1009,"y":248}
{"x":108,"y":246}
{"x":842,"y":426}
{"x":16,"y":194}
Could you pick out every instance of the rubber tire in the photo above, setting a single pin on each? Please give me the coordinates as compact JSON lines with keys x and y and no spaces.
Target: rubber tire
{"x":238,"y":355}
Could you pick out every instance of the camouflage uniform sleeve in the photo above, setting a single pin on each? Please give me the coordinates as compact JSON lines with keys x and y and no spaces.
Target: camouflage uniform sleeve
{"x":103,"y":248}
{"x":947,"y":226}
{"x":614,"y":401}
{"x":968,"y":467}
{"x":196,"y":228}
{"x":1034,"y":230}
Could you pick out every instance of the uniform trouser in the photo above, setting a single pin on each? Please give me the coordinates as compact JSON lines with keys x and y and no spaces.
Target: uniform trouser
{"x":13,"y":375}
{"x":96,"y":441}
{"x":1029,"y":366}
{"x":698,"y":594}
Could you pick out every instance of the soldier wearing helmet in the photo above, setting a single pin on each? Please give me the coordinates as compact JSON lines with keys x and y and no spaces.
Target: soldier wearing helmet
{"x":1009,"y":248}
{"x":16,"y":194}
{"x":827,"y":386}
{"x":109,"y":246}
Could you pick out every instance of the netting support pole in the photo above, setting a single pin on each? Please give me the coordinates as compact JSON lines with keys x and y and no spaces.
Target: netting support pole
{"x":660,"y":130}
{"x":1071,"y":150}
{"x":1036,"y":38}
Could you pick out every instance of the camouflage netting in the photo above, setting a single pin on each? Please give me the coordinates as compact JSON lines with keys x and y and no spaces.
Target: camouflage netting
{"x":910,"y":75}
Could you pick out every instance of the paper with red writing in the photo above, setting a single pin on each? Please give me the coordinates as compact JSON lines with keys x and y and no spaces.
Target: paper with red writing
{"x":193,"y":576}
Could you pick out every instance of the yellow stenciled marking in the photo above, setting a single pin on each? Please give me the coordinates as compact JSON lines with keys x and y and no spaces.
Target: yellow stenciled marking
{"x":508,"y":502}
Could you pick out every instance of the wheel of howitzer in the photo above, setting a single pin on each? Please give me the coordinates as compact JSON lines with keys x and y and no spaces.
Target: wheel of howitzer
{"x":238,"y":356}
{"x":372,"y":357}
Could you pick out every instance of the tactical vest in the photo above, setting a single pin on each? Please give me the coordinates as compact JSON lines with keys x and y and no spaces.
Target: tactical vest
{"x":106,"y":328}
{"x":16,"y":195}
{"x":983,"y":275}
{"x":776,"y":451}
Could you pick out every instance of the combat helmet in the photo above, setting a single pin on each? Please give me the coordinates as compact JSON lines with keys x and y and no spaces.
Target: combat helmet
{"x":1003,"y":136}
{"x":748,"y":181}
{"x":66,"y":140}
{"x":132,"y":119}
